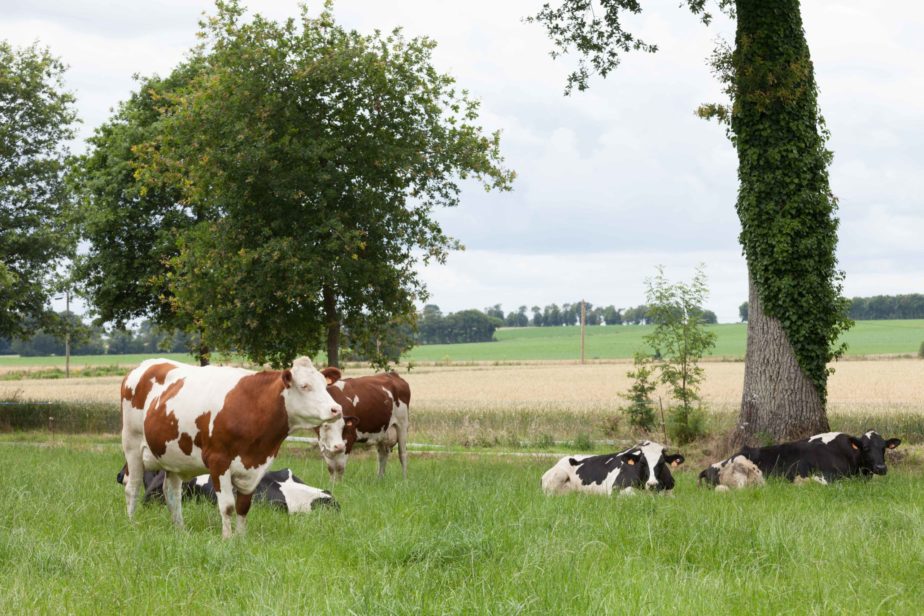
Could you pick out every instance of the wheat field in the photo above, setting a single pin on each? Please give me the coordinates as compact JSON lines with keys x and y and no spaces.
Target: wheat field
{"x":865,"y":386}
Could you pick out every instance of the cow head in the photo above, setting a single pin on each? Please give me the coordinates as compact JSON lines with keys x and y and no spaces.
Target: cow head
{"x":305,"y":393}
{"x":871,"y":447}
{"x":335,"y":440}
{"x":654,"y":465}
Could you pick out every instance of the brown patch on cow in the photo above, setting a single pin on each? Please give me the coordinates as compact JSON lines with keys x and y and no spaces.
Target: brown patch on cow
{"x":375,"y":397}
{"x":154,"y":374}
{"x":126,"y":390}
{"x":242,"y":503}
{"x":185,"y":443}
{"x":630,"y":462}
{"x":332,"y":374}
{"x":161,"y":427}
{"x":252,"y":423}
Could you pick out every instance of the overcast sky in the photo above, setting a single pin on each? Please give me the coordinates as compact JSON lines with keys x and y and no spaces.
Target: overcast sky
{"x":612,"y":181}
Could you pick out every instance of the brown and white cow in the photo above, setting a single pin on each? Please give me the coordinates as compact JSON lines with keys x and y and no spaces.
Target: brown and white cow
{"x":375,"y":411}
{"x":227,"y":422}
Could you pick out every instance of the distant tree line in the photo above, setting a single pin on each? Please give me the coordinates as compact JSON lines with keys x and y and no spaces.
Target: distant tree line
{"x":95,"y":340}
{"x":876,"y":308}
{"x":433,"y":327}
{"x":887,"y":307}
{"x":554,"y":315}
{"x":464,"y":326}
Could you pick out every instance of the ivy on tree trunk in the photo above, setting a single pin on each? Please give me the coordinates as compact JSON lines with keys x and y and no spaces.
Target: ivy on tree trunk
{"x":788,"y":226}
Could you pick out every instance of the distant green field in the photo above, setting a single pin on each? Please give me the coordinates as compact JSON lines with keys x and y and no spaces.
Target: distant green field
{"x":620,"y":342}
{"x":564,"y":343}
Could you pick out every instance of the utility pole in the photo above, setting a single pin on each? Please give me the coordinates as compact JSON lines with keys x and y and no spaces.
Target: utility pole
{"x":67,"y":333}
{"x":583,"y":327}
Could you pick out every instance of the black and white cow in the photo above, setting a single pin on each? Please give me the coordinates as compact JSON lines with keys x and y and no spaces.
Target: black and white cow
{"x":644,"y":466}
{"x":278,"y":488}
{"x":735,"y":472}
{"x":824,"y":457}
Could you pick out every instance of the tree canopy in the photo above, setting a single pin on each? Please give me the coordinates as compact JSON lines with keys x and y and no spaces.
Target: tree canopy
{"x":37,"y":119}
{"x":289,"y":179}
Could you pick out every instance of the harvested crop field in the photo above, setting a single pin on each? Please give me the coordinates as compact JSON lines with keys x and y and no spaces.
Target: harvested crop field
{"x":856,"y":386}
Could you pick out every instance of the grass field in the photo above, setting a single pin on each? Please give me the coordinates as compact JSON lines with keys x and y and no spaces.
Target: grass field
{"x":617,"y":342}
{"x":463,"y":535}
{"x":560,"y":344}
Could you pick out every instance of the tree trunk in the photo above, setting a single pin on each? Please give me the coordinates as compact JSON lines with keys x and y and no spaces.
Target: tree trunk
{"x":779,"y":402}
{"x":333,"y":327}
{"x":203,"y":354}
{"x":788,"y":227}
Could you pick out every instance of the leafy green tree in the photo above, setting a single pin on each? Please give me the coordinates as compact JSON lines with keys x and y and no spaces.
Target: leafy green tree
{"x":133,"y":228}
{"x":681,"y":339}
{"x":495,"y":311}
{"x":640,"y":410}
{"x":307,"y":160}
{"x":743,"y":312}
{"x":786,"y":208}
{"x":709,"y":317}
{"x":37,"y":118}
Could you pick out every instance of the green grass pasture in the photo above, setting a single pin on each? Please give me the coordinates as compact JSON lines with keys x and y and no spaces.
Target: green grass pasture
{"x":465,"y":534}
{"x":564,"y":343}
{"x":621,"y":342}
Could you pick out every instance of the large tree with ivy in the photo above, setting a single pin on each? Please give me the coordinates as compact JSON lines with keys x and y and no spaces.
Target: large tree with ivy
{"x":786,"y":208}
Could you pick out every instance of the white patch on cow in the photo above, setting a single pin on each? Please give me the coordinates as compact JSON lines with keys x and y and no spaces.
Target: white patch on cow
{"x":653,"y":453}
{"x":339,"y":385}
{"x":871,"y":433}
{"x":826,"y":437}
{"x":563,"y":477}
{"x":299,"y":497}
{"x":201,"y":480}
{"x":355,"y":400}
{"x":388,"y":393}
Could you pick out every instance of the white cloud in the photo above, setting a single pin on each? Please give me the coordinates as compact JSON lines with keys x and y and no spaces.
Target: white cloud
{"x":613,"y":180}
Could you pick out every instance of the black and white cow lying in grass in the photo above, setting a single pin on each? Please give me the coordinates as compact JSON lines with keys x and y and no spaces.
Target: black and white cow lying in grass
{"x":278,"y":488}
{"x":734,"y":473}
{"x":823,"y":457}
{"x":643,"y":466}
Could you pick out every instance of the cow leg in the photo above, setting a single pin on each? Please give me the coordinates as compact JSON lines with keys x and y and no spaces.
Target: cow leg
{"x":224,"y":496}
{"x":402,"y":445}
{"x":134,"y":479}
{"x":173,"y":486}
{"x":384,"y":449}
{"x":242,"y":506}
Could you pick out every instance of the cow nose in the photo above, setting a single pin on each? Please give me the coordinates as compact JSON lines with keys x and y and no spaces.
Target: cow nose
{"x":336,"y":409}
{"x":880,"y":469}
{"x":651,"y":485}
{"x":338,"y":448}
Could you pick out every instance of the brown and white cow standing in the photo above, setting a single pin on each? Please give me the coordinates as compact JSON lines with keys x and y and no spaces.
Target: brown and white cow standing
{"x":227,"y":422}
{"x":375,"y":411}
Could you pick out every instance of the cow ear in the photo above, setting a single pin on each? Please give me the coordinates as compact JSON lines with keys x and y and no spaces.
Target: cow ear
{"x":632,"y":458}
{"x":351,"y":420}
{"x":892,"y":443}
{"x":855,"y":443}
{"x":287,"y":378}
{"x":332,"y":374}
{"x":674,"y":460}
